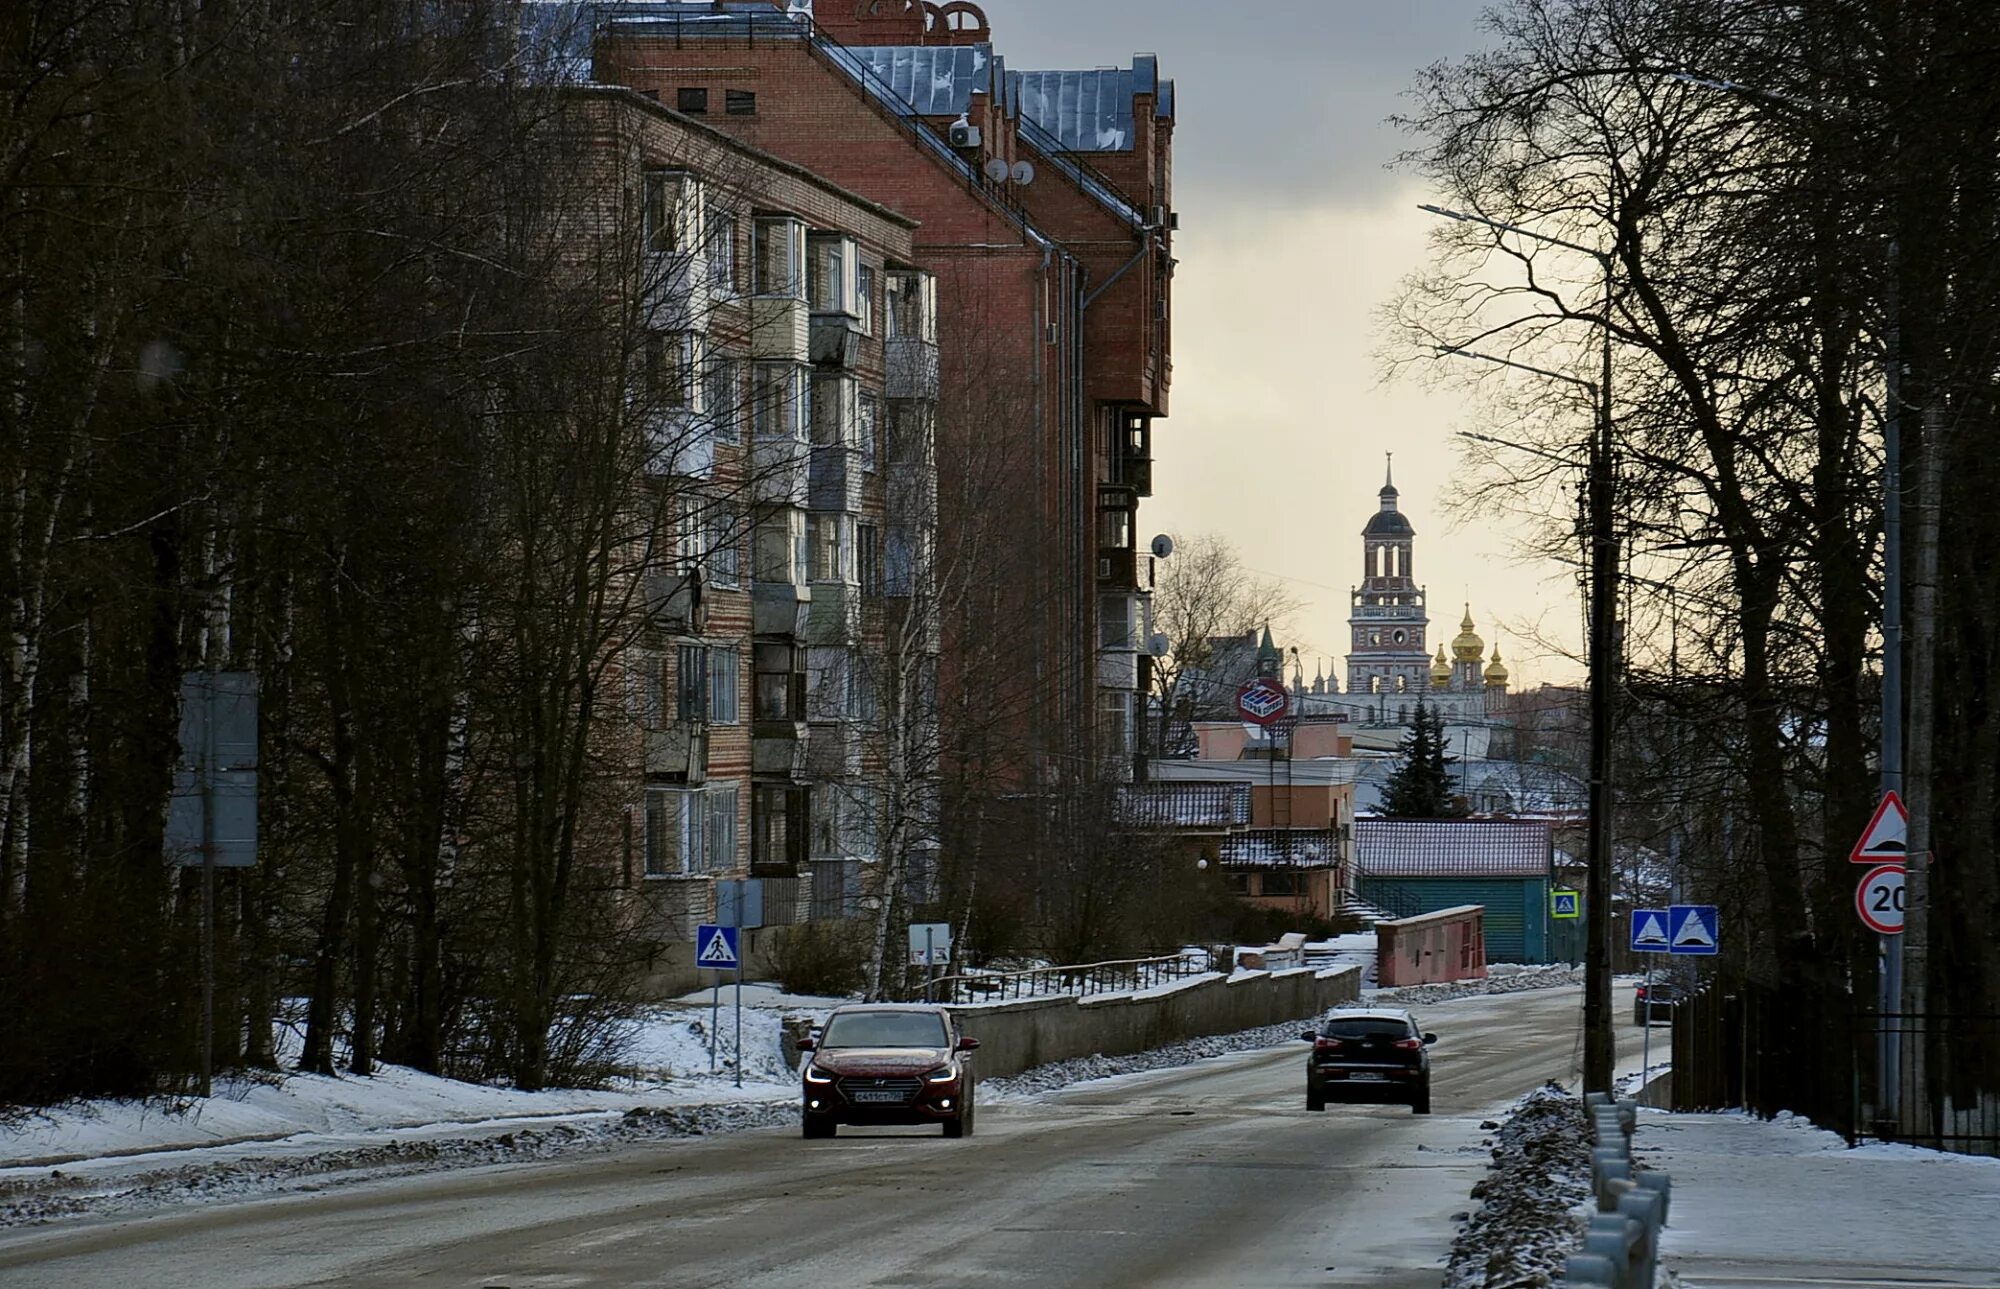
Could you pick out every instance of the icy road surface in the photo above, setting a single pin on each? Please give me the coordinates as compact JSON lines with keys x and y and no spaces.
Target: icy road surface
{"x":1210,"y":1174}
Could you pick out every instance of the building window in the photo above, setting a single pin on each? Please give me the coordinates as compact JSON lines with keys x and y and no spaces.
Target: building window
{"x":868,"y":552}
{"x":724,"y":397}
{"x":1287,"y":884}
{"x":723,"y":678}
{"x":669,"y":369}
{"x":740,"y":102}
{"x":777,"y":250}
{"x":1114,"y":529}
{"x":827,"y":697}
{"x":828,"y":538}
{"x":721,"y":829}
{"x":689,"y":99}
{"x":665,"y":209}
{"x":830,"y":265}
{"x":778,"y":684}
{"x":777,"y":825}
{"x":676,"y":832}
{"x":1114,"y":721}
{"x":721,"y":251}
{"x":867,"y":411}
{"x":833,"y":410}
{"x":780,"y":398}
{"x":909,"y":301}
{"x":899,"y":559}
{"x":692,"y":672}
{"x":780,"y":548}
{"x":909,"y":435}
{"x":864,"y":297}
{"x":719,"y":548}
{"x":1114,"y":622}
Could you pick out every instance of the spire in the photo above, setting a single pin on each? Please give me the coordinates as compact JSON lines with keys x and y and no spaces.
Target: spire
{"x":1388,"y":493}
{"x":1270,"y":663}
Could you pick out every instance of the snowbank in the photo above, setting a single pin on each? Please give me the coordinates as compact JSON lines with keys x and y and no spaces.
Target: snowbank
{"x":1534,"y":1199}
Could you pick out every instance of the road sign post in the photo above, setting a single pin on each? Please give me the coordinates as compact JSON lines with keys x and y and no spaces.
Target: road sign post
{"x":716,"y":949}
{"x":930,"y":947}
{"x":1649,"y":936}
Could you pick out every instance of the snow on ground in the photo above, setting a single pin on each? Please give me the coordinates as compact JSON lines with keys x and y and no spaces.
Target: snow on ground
{"x":1531,"y":1199}
{"x":1497,"y":981}
{"x":1763,"y":1199}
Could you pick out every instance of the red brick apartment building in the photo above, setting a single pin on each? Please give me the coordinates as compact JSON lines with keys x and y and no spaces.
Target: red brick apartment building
{"x":1043,"y":209}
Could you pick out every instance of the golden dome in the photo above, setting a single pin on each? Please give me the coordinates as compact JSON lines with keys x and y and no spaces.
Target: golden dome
{"x":1467,"y":646}
{"x":1440,"y":670}
{"x":1496,"y":671}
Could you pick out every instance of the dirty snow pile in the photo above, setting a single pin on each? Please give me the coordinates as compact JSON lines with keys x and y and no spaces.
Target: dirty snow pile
{"x":1532,"y":1198}
{"x":1047,"y":1078}
{"x":1509,"y":983}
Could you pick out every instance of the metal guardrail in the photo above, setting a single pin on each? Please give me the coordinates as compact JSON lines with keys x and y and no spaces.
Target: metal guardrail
{"x":1116,"y":977}
{"x":1621,"y":1250}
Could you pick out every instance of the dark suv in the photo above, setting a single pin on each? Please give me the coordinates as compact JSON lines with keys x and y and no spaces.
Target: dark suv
{"x":1369,"y":1054}
{"x":887,"y":1064}
{"x":1655,"y":1002}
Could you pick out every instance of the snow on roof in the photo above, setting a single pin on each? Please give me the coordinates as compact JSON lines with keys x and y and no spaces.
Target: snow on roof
{"x":1280,"y":848}
{"x":1088,"y":111}
{"x":1185,"y":805}
{"x":1451,"y":847}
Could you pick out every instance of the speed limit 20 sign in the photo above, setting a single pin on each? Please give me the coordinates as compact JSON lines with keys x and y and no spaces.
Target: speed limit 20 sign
{"x":1879,"y":899}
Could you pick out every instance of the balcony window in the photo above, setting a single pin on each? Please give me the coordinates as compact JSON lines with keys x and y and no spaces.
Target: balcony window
{"x":670,"y":359}
{"x":829,"y":536}
{"x":780,"y":542}
{"x":1114,"y":722}
{"x":868,"y":553}
{"x":833,"y":410}
{"x":778,"y":825}
{"x":671,"y":220}
{"x":867,"y":412}
{"x":721,"y":250}
{"x":1115,"y":625}
{"x":778,"y":253}
{"x":676,"y":832}
{"x":910,"y":301}
{"x":724,"y":677}
{"x":1114,"y":529}
{"x":723,"y":398}
{"x":721,"y":829}
{"x":827,"y":684}
{"x":780,"y":401}
{"x":692,"y":674}
{"x":778,"y":683}
{"x":720,"y":560}
{"x":864,"y":297}
{"x":831,"y":264}
{"x":898,"y":562}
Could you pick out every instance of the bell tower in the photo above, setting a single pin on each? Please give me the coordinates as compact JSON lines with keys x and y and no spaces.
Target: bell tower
{"x":1390,"y":654}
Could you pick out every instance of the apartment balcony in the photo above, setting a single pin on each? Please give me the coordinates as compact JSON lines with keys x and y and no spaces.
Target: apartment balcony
{"x":674,"y":602}
{"x":1118,"y":669}
{"x":835,"y":617}
{"x":1135,"y":473}
{"x":1117,"y":568}
{"x":833,"y":753}
{"x":679,"y":445}
{"x":780,"y":472}
{"x":912,"y":369}
{"x":835,"y":340}
{"x":780,"y":609}
{"x":836,"y":479}
{"x":912,"y":493}
{"x":778,"y":749}
{"x":675,"y":293}
{"x":678,"y":753}
{"x":779,"y":329}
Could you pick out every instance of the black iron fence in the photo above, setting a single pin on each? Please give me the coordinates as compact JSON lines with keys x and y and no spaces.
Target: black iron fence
{"x":1767,"y":1050}
{"x":1117,"y":977}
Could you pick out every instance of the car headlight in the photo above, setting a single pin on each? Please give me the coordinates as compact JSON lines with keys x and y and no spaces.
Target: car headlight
{"x":815,"y":1075}
{"x":945,"y":1075}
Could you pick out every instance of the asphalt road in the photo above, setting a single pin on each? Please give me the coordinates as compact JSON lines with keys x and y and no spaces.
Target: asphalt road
{"x":1212,"y":1174}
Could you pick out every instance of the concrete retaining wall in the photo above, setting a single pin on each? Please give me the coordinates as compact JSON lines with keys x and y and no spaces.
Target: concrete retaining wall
{"x":1018,"y":1036}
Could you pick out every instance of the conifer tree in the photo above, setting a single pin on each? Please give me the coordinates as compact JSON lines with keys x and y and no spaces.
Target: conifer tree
{"x":1420,"y":787}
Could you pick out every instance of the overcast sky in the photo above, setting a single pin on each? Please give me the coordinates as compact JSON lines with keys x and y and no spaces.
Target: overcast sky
{"x":1294,"y":231}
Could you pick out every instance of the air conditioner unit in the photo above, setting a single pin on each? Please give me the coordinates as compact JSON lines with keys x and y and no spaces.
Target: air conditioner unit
{"x":964,"y":135}
{"x":1159,"y":219}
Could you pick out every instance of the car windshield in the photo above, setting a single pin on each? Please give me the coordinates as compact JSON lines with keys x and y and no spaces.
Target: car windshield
{"x":1359,"y":1028}
{"x":884,"y":1029}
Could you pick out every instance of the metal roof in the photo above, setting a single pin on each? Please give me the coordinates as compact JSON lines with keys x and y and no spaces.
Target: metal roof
{"x":1451,"y":848}
{"x":931,"y":80}
{"x":1087,"y":111}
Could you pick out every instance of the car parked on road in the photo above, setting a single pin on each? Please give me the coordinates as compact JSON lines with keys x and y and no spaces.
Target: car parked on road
{"x":1655,"y":1002}
{"x":886,"y":1063}
{"x":1369,"y":1054}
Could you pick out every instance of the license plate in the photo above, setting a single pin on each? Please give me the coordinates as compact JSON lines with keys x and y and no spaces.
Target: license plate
{"x":1369,"y":1078}
{"x":886,"y":1096}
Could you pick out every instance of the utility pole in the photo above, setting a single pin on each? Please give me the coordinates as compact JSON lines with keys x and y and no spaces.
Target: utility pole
{"x":1916,"y":1099}
{"x":1599,"y":1052}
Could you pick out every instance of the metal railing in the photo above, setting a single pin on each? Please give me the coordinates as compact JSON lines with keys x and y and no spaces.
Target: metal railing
{"x":1959,"y":1057}
{"x":1084,"y":980}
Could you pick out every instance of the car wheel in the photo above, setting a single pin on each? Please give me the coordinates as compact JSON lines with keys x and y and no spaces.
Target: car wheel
{"x":1315,"y":1099}
{"x":958,"y":1127}
{"x":816,"y":1126}
{"x":1420,"y":1101}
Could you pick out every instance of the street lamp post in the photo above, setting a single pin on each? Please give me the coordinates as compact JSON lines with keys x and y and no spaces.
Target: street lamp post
{"x":1599,"y":1052}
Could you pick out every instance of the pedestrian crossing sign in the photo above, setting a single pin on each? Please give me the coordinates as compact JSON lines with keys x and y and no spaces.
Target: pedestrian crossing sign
{"x":715,"y":947}
{"x":1564,"y":904}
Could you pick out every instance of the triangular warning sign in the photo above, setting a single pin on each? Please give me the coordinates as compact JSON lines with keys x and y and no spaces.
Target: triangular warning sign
{"x":716,"y":953}
{"x":1694,"y":931}
{"x":1886,"y":838}
{"x":1651,"y":930}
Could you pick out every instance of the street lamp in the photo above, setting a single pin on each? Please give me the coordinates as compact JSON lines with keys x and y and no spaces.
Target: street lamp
{"x":1599,"y":1052}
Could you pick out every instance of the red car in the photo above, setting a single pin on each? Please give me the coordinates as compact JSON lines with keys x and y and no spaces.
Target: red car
{"x":887,"y":1063}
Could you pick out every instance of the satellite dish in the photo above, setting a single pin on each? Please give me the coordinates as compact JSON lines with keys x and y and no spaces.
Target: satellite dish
{"x":1024,"y":172}
{"x":996,"y":170}
{"x":1163,"y":546}
{"x":1158,"y":645}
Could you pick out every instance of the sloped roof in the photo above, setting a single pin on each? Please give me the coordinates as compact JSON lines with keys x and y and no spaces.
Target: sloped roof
{"x":1087,"y":111}
{"x":1451,"y":847}
{"x":931,"y":80}
{"x":1184,"y":805}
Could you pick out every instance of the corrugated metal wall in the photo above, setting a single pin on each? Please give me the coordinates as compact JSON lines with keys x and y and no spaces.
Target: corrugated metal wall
{"x":1516,"y":909}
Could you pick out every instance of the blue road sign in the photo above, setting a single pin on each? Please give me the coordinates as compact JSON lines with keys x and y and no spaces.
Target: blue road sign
{"x":715,"y":946}
{"x":1649,"y":931}
{"x":1563,"y":904}
{"x":1693,"y":928}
